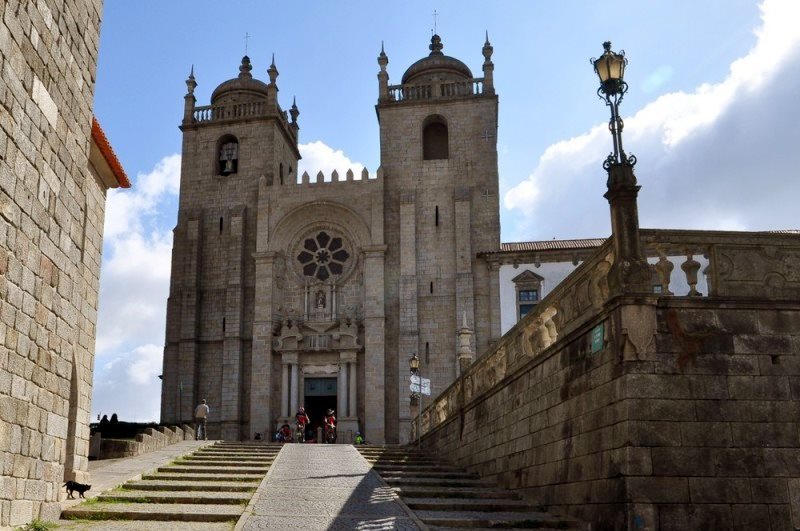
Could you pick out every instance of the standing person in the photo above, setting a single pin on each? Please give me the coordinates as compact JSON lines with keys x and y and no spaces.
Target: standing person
{"x":201,"y":416}
{"x":302,"y":421}
{"x":330,"y":427}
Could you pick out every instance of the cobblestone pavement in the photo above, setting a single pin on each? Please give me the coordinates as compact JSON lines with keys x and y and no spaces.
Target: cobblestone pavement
{"x":325,"y":487}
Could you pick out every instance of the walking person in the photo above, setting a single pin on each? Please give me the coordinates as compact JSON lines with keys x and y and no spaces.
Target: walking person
{"x":201,"y":416}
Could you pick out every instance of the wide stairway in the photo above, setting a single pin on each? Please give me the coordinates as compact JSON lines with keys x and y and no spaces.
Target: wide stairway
{"x":444,"y":496}
{"x":211,"y":485}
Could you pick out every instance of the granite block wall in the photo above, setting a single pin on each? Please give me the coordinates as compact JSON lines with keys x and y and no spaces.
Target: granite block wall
{"x":51,"y":215}
{"x":693,"y":427}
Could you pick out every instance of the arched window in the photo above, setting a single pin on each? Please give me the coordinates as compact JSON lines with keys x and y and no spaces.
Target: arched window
{"x":434,"y":138}
{"x":227,"y":155}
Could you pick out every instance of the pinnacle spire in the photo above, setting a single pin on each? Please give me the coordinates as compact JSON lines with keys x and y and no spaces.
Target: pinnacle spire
{"x":190,"y":82}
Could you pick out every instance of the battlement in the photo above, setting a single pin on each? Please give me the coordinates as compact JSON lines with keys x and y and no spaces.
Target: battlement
{"x":336,"y":177}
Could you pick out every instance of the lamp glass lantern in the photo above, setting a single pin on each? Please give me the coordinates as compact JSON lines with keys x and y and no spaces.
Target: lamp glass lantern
{"x":413,"y":363}
{"x":610,"y":68}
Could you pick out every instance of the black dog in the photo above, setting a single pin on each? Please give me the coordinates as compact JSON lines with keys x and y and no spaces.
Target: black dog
{"x":75,"y":486}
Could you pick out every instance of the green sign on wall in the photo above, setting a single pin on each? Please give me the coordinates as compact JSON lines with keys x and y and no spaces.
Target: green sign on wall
{"x":598,"y":334}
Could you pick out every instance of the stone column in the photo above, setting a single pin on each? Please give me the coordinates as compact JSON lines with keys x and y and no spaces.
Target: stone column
{"x":630,"y":272}
{"x":494,"y":301}
{"x":353,"y":403}
{"x":342,"y":391}
{"x":285,"y":389}
{"x":294,"y":393}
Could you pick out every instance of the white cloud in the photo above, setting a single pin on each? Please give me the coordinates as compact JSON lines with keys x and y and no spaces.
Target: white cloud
{"x":128,"y":385}
{"x":133,"y":293}
{"x":723,"y":156}
{"x":318,"y":156}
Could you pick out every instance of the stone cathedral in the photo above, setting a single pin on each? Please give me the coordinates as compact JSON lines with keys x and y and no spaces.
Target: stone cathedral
{"x":291,"y":290}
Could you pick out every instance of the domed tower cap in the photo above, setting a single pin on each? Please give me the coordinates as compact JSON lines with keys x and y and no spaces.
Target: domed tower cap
{"x":437,"y":65}
{"x":244,"y":83}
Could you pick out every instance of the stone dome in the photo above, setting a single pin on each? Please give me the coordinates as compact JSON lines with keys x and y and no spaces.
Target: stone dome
{"x":244,"y":83}
{"x":437,"y":65}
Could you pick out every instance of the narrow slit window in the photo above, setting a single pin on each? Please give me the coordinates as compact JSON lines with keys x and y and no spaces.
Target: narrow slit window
{"x":223,"y":324}
{"x":280,"y":172}
{"x":437,"y":215}
{"x":220,"y":225}
{"x":427,"y":353}
{"x":431,"y":286}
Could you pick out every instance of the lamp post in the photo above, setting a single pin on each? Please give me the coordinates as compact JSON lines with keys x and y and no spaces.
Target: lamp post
{"x":630,"y":272}
{"x":413,"y":365}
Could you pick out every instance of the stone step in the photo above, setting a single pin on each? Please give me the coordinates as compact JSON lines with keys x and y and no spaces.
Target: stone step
{"x":453,"y":492}
{"x":451,"y":504}
{"x":212,"y":469}
{"x":441,"y":482}
{"x":505,"y":520}
{"x":176,"y":485}
{"x":412,"y":461}
{"x":223,"y":462}
{"x":122,"y":525}
{"x":431,"y":474}
{"x":388,"y":468}
{"x":154,"y":511}
{"x":237,"y":458}
{"x":166,"y":476}
{"x":175,"y":496}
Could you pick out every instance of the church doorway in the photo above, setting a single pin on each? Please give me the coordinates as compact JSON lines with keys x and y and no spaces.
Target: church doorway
{"x":319,"y":397}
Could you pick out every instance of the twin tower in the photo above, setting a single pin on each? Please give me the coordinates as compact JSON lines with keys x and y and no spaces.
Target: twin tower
{"x":288,"y":291}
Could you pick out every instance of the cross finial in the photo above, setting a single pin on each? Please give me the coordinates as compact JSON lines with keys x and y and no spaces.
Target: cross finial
{"x":246,"y":38}
{"x":435,"y":14}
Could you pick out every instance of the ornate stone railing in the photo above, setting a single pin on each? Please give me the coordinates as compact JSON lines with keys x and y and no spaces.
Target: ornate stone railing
{"x":450,"y":89}
{"x":210,"y":113}
{"x":739,"y":264}
{"x":753,"y":265}
{"x":571,"y":304}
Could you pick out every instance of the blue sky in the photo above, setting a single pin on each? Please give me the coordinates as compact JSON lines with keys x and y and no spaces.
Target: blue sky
{"x":712,"y":115}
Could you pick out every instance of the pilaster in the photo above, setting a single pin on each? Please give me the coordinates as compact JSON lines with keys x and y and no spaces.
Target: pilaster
{"x":261,"y":359}
{"x":232,"y":332}
{"x":375,"y":342}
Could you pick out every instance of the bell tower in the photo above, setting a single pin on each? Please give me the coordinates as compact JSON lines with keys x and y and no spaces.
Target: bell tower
{"x":438,"y":140}
{"x":234,"y":150}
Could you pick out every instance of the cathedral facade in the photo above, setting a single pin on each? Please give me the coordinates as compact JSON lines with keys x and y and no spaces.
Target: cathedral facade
{"x":292,"y":290}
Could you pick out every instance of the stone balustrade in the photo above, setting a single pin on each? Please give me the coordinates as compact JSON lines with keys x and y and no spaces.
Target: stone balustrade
{"x":251,"y":109}
{"x":735,"y":264}
{"x":428,"y":91}
{"x":666,"y":411}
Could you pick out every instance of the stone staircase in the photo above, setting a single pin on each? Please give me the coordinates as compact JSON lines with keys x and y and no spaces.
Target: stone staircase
{"x":444,"y":496}
{"x":211,"y":485}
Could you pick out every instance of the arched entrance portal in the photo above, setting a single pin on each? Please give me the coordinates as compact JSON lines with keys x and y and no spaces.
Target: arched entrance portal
{"x":319,"y":396}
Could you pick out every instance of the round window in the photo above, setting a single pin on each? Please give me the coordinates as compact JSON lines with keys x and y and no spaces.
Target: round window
{"x":323,"y":256}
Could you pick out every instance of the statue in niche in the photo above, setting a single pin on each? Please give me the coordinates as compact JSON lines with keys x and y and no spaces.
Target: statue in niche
{"x":320,"y":300}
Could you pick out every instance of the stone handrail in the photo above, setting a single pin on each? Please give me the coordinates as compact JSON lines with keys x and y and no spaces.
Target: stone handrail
{"x":210,"y":113}
{"x":740,"y":264}
{"x":764,"y":265}
{"x":450,"y":89}
{"x":571,"y":304}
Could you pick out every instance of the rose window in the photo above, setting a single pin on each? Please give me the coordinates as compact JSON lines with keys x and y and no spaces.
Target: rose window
{"x":323,"y":256}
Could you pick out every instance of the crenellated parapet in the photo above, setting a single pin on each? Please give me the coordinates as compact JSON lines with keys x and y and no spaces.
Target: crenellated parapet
{"x":335,"y":177}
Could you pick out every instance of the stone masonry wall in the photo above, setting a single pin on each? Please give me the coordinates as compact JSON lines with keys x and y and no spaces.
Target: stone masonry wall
{"x":50,"y":237}
{"x":687,"y":419}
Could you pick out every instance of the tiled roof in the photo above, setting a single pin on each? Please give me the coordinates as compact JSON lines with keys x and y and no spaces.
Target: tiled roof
{"x":549,"y":245}
{"x":103,"y":144}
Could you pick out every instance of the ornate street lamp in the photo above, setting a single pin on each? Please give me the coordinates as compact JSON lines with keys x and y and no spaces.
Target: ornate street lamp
{"x":630,"y":272}
{"x":413,"y":364}
{"x":610,"y":68}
